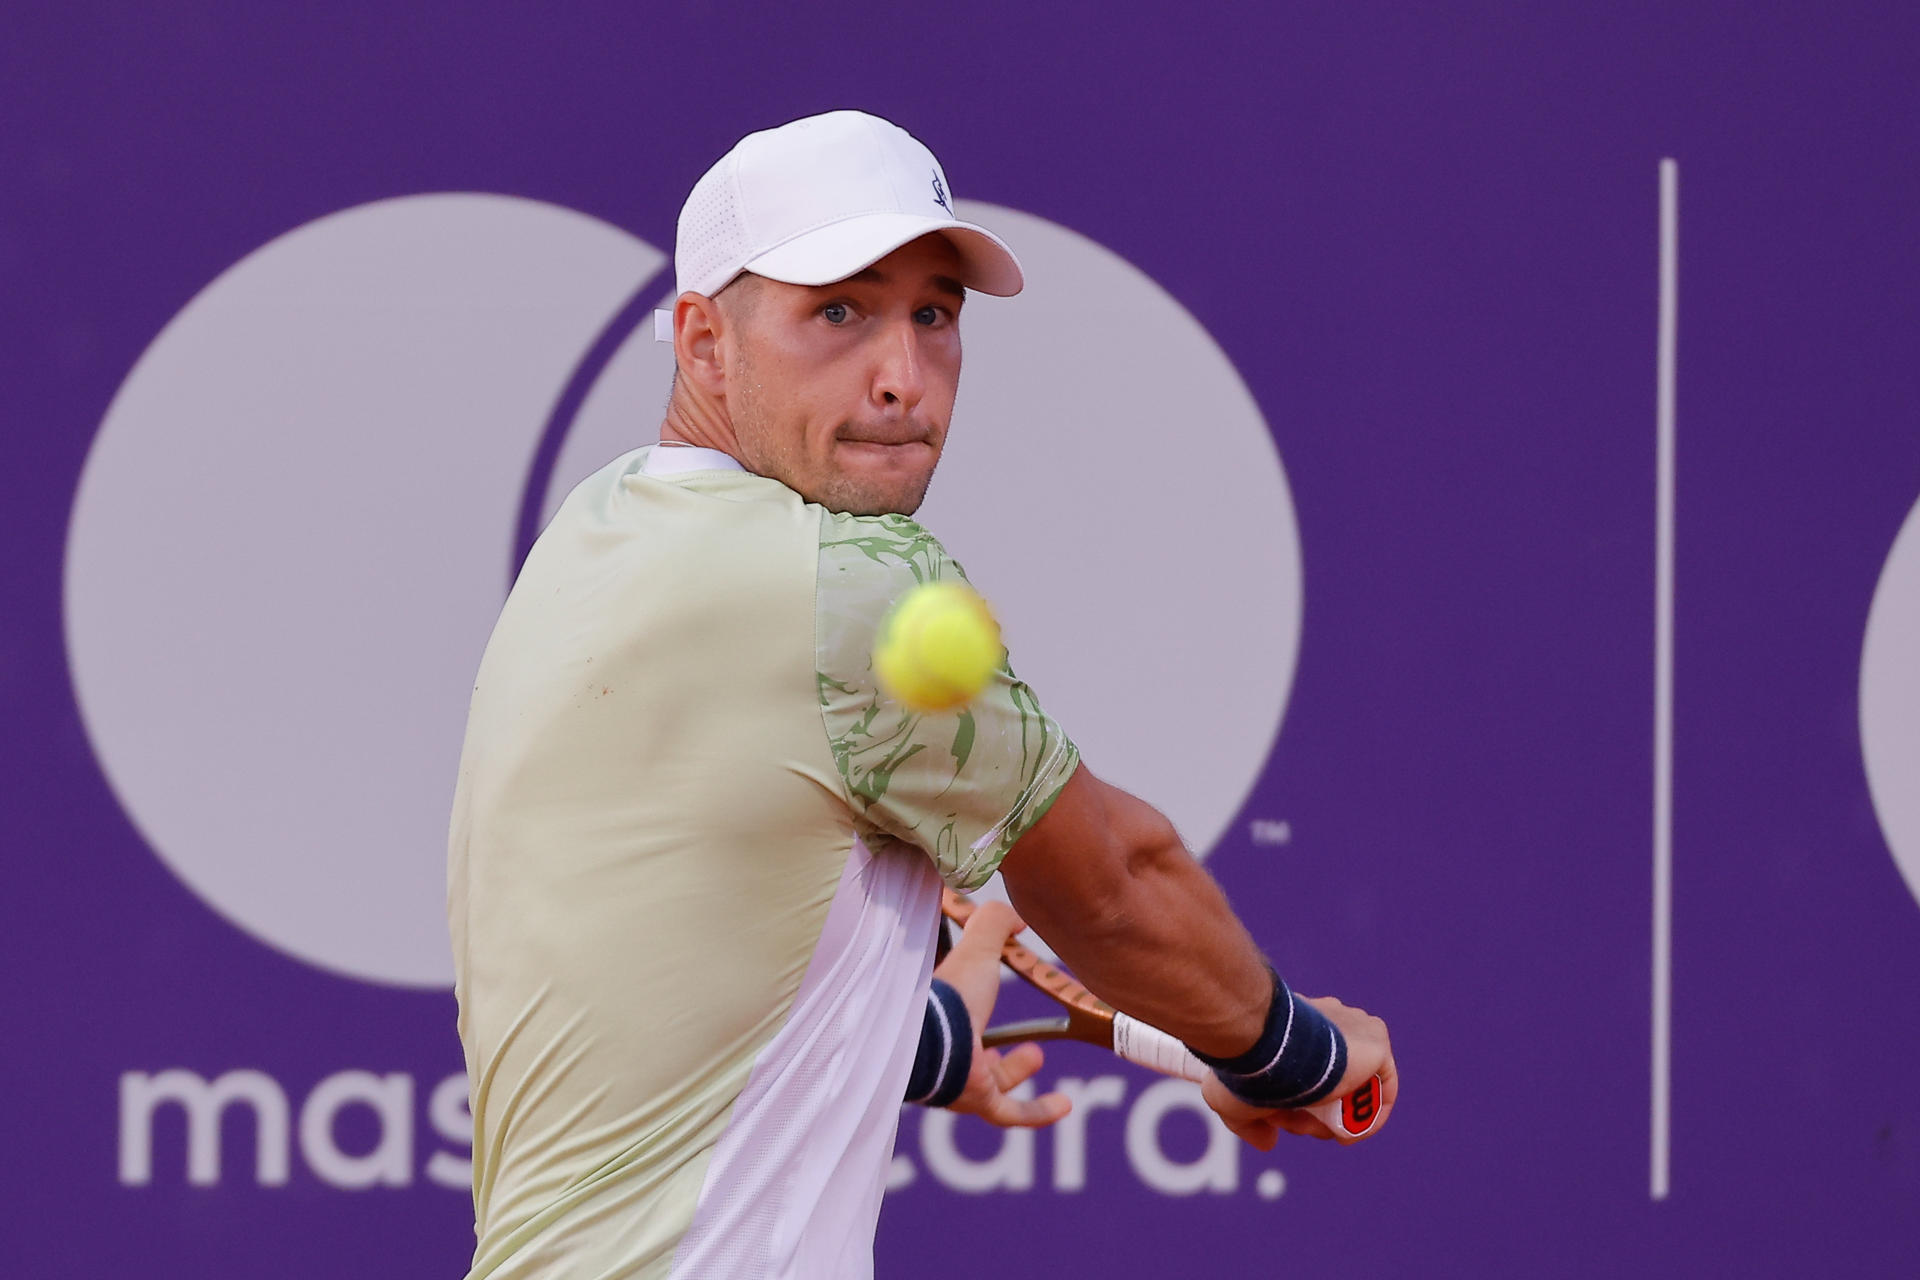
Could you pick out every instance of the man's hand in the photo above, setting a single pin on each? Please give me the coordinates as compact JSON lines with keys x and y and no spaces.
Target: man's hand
{"x":973,"y":969}
{"x":1368,"y":1053}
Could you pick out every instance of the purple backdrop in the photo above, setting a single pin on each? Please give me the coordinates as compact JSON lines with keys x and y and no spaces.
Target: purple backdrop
{"x":1427,"y":241}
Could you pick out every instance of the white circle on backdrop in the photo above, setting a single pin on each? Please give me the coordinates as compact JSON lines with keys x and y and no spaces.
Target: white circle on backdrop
{"x":291,"y":535}
{"x":290,"y":541}
{"x":1890,"y":701}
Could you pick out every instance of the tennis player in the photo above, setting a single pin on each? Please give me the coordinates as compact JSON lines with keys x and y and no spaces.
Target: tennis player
{"x":696,"y":855}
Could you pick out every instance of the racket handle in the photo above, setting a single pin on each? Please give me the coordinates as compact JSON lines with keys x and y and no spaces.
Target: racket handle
{"x":1351,"y":1118}
{"x":1150,"y":1047}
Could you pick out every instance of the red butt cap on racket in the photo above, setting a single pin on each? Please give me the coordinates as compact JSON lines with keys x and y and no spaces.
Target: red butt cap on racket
{"x":1352,"y":1117}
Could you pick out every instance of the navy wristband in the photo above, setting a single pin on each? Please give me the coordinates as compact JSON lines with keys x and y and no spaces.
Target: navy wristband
{"x":1298,"y":1059}
{"x":945,"y":1056}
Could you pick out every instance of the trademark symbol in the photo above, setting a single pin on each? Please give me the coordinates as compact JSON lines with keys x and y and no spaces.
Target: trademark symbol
{"x":1267,"y":831}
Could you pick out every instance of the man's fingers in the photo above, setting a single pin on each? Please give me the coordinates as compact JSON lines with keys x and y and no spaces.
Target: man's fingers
{"x":1018,"y":1064}
{"x":997,"y":1089}
{"x":1263,"y":1129}
{"x":1262,"y":1126}
{"x":1303,"y":1123}
{"x":991,"y":924}
{"x":1261,"y":1133}
{"x":1389,"y":1093}
{"x":1010,"y":1112}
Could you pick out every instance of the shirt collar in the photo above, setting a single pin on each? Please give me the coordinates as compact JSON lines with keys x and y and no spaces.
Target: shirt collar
{"x":671,"y":459}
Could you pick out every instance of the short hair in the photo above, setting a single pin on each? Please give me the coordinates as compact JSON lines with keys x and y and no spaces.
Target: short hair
{"x":740,"y":294}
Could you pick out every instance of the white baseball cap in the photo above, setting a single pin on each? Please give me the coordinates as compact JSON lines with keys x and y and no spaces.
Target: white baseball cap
{"x":819,"y":199}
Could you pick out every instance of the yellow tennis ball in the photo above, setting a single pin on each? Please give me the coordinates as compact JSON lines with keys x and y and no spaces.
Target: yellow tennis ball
{"x":937,"y":647}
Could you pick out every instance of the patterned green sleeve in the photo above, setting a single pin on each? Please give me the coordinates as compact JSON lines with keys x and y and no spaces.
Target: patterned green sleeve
{"x":962,"y":785}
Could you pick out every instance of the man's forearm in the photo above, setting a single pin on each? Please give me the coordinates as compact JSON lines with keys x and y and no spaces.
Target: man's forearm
{"x":1147,"y":929}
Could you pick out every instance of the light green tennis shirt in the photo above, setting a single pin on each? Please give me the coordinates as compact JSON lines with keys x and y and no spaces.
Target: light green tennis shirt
{"x":693,"y":879}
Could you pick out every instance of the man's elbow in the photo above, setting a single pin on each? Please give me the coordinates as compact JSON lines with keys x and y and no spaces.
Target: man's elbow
{"x":1095,"y":860}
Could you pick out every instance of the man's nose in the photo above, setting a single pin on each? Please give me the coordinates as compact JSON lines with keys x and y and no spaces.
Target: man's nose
{"x":899,"y":378}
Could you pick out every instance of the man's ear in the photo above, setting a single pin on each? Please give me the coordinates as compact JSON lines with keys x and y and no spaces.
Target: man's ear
{"x":698,"y":333}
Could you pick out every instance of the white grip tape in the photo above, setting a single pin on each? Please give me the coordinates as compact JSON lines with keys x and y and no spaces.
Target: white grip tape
{"x":1154,"y":1049}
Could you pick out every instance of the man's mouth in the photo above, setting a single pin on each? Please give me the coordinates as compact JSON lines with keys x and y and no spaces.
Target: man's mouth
{"x":886,"y":439}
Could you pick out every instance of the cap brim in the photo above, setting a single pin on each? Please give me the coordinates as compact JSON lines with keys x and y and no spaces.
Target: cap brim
{"x":840,"y":249}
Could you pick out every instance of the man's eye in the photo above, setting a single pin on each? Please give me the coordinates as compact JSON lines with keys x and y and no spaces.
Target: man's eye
{"x":927,"y":315}
{"x":835,"y":312}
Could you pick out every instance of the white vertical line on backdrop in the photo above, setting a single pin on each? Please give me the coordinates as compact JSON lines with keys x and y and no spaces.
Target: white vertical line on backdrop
{"x":1664,"y":370}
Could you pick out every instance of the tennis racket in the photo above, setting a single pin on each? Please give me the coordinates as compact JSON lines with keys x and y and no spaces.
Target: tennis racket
{"x":1091,"y":1020}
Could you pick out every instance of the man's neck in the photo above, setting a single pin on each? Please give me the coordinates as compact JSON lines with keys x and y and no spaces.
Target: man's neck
{"x":690,"y":420}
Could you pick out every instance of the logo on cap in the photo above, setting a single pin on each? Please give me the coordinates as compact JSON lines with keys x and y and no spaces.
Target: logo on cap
{"x":940,"y":195}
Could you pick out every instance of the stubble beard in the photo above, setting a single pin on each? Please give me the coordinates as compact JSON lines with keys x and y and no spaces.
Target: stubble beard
{"x":843,"y":493}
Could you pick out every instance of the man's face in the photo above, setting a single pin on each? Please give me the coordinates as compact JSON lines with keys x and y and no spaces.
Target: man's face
{"x":843,"y":392}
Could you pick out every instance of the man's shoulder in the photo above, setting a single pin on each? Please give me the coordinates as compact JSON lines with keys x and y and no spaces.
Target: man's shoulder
{"x":693,"y":536}
{"x":891,"y":548}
